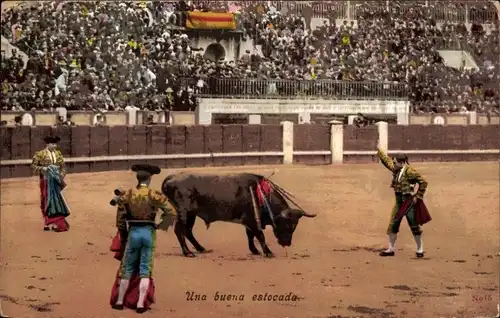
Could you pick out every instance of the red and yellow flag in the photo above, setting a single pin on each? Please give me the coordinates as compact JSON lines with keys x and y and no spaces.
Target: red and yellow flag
{"x":210,"y":20}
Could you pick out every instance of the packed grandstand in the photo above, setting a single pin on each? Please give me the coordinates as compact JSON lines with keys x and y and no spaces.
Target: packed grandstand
{"x":112,"y":54}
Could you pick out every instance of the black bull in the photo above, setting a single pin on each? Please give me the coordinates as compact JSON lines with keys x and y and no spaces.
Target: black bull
{"x":231,"y":198}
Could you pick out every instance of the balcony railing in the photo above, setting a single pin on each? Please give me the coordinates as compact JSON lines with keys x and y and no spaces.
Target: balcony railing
{"x":439,"y":10}
{"x":288,"y":89}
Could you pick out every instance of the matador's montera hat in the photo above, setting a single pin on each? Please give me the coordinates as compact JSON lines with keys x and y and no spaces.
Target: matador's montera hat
{"x":401,"y":157}
{"x":146,"y":169}
{"x":51,"y":139}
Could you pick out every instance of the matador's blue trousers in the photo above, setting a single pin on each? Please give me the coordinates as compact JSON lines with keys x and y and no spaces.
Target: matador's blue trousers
{"x":138,"y":256}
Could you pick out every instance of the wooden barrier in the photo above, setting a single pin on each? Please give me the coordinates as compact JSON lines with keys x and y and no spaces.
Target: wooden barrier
{"x":95,"y":149}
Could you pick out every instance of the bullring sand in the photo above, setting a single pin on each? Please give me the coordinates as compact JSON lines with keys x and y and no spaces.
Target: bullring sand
{"x":332,"y":267}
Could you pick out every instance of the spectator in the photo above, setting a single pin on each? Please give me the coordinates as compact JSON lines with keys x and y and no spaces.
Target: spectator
{"x":150,"y":120}
{"x":67,"y":122}
{"x":360,"y":121}
{"x":99,"y":120}
{"x":18,"y":121}
{"x":114,"y":55}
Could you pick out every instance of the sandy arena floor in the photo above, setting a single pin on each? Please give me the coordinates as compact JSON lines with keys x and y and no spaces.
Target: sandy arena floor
{"x":333,"y":266}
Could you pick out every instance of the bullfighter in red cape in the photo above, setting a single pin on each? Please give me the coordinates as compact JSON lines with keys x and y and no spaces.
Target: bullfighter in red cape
{"x":409,"y":188}
{"x":135,"y":242}
{"x":48,"y":163}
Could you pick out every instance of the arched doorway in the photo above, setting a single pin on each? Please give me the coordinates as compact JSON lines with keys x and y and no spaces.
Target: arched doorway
{"x":214,"y":52}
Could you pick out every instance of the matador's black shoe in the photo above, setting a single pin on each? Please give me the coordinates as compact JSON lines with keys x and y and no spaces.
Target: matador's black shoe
{"x":46,"y":228}
{"x":420,"y":255}
{"x":117,"y":307}
{"x":141,"y":310}
{"x":385,"y":253}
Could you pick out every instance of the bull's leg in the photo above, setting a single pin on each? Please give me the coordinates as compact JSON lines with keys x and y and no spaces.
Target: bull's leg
{"x":251,"y":244}
{"x":180,"y":230}
{"x":262,"y":240}
{"x":190,"y":236}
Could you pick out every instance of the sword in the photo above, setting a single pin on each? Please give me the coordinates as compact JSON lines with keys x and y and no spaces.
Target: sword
{"x":255,"y":210}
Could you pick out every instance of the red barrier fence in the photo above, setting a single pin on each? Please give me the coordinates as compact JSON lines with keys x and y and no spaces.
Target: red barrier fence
{"x":95,"y":149}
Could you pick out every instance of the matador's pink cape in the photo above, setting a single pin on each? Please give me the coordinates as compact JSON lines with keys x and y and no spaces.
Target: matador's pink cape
{"x":422,"y":215}
{"x":132,"y":294}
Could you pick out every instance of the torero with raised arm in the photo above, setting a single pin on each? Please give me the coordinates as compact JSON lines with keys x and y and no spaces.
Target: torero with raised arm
{"x":409,"y":189}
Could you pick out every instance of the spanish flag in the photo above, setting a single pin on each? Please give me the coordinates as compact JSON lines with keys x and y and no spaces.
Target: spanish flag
{"x":210,"y":20}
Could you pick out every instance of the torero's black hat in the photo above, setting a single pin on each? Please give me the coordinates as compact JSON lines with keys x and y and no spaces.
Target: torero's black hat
{"x":146,"y":168}
{"x":51,"y":139}
{"x":401,"y":157}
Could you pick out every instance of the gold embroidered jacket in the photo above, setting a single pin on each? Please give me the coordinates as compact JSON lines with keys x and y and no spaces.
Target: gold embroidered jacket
{"x":44,"y":158}
{"x":140,"y":205}
{"x":408,"y":177}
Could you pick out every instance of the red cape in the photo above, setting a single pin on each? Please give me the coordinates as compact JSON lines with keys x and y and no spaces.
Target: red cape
{"x":422,"y":215}
{"x":60,"y":223}
{"x":132,"y":294}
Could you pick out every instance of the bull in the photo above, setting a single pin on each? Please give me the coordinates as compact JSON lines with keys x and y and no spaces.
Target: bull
{"x":244,"y":198}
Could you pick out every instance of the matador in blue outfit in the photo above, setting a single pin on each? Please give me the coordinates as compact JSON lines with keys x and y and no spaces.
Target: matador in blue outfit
{"x":137,"y":208}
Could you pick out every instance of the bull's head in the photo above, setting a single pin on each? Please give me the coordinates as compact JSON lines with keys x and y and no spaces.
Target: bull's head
{"x":286,"y":223}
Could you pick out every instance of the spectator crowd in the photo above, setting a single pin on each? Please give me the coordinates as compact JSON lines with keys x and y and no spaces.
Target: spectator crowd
{"x":107,"y":55}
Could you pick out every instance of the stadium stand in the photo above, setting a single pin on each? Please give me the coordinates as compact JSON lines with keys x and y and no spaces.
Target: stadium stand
{"x":112,"y":55}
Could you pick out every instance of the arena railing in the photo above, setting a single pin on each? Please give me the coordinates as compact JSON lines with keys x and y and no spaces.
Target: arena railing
{"x":467,"y":47}
{"x":451,"y":43}
{"x":439,"y":11}
{"x":320,"y":9}
{"x":288,"y":89}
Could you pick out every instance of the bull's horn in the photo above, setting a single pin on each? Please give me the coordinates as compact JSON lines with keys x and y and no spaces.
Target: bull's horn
{"x":304,"y":213}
